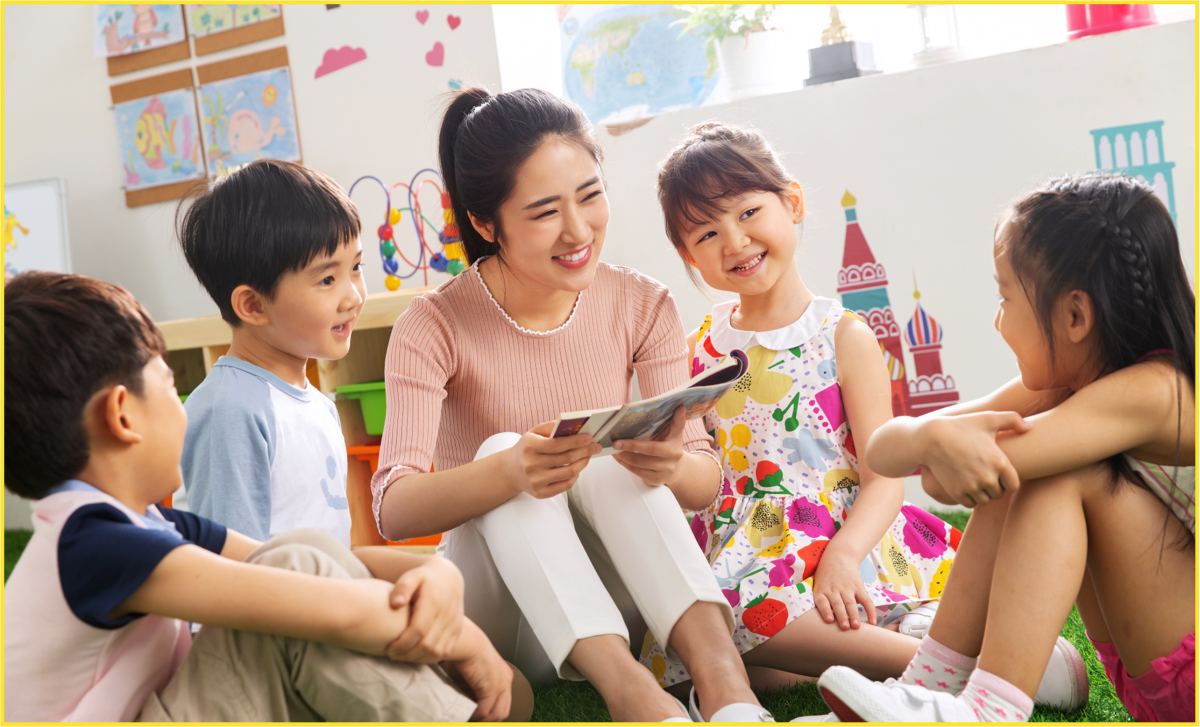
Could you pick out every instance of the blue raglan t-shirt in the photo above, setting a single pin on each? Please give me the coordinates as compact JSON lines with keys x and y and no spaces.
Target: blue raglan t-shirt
{"x":262,"y":456}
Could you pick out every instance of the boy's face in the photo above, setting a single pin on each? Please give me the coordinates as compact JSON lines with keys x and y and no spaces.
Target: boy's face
{"x":159,"y":417}
{"x":314,"y":310}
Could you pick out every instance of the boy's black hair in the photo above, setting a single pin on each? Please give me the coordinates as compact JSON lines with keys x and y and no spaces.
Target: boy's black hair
{"x":256,"y":224}
{"x":66,"y":337}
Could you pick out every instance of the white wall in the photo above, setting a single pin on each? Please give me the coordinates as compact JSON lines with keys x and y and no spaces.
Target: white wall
{"x":933,"y":155}
{"x":375,"y":117}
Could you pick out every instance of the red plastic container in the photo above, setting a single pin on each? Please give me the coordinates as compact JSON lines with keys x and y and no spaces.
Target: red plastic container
{"x":1085,"y":20}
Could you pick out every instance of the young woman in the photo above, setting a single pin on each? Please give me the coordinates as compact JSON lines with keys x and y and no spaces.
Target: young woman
{"x":562,"y":555}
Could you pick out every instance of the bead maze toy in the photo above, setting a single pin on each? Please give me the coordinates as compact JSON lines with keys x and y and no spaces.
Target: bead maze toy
{"x":450,"y":258}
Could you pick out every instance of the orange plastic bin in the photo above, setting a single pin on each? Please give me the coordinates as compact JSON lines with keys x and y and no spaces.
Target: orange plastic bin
{"x":369,"y":453}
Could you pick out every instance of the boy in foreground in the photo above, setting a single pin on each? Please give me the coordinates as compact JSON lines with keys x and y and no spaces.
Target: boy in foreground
{"x":294,"y":629}
{"x":276,"y":246}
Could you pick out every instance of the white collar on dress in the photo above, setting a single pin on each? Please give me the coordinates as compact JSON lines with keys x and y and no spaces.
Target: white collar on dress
{"x":726,"y":338}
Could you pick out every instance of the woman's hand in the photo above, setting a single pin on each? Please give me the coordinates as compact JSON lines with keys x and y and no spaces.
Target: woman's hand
{"x":656,"y":460}
{"x":435,"y":592}
{"x":963,"y":457}
{"x":838,"y":589}
{"x":545,"y":467}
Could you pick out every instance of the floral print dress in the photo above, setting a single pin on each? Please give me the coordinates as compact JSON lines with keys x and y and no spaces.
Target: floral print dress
{"x":790,"y":478}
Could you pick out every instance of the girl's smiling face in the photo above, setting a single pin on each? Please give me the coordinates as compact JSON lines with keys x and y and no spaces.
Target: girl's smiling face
{"x":1017,"y":322}
{"x":751,"y":244}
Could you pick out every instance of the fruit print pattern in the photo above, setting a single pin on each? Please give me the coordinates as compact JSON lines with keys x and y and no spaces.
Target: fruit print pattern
{"x":786,"y":494}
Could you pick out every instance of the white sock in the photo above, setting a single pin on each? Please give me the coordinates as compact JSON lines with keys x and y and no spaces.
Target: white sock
{"x":938,"y":668}
{"x":995,"y":700}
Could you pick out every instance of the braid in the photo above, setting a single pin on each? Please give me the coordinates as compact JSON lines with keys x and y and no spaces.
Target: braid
{"x":1131,"y":258}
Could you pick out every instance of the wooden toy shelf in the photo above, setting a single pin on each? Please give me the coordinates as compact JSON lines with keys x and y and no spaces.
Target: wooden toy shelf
{"x":195,"y":344}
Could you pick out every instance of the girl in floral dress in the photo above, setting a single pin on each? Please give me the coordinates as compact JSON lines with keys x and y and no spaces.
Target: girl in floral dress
{"x":802,"y":534}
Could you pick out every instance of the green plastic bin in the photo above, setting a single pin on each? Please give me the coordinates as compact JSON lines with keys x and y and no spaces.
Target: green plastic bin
{"x":373,"y":400}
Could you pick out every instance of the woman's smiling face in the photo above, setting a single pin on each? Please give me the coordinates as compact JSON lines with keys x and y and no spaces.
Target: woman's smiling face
{"x":552,"y":225}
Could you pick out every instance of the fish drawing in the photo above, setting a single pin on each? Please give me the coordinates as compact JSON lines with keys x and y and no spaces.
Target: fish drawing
{"x":153,"y":135}
{"x":246,"y":133}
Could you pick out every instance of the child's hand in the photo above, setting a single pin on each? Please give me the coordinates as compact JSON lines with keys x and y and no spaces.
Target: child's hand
{"x":962,"y":453}
{"x":838,"y":589}
{"x":545,"y":467}
{"x":434,"y":594}
{"x":487,"y":677}
{"x":654,"y":460}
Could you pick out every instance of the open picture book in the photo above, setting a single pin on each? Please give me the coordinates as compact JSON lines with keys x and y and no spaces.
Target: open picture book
{"x":647,"y":418}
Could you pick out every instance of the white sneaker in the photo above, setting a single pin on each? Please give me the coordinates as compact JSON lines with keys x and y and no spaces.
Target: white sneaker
{"x":739,"y":712}
{"x":916,"y":622}
{"x":854,"y":698}
{"x":831,"y":717}
{"x":1065,"y":683}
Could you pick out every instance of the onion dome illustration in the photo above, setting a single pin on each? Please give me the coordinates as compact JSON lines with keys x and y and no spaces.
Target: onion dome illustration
{"x":922,"y":329}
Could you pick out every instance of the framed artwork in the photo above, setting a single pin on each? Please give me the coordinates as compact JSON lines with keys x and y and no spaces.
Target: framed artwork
{"x":247,"y":111}
{"x":217,"y":27}
{"x":158,"y":133}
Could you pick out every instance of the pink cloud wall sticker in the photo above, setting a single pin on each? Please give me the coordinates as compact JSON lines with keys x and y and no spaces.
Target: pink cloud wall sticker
{"x":337,"y":59}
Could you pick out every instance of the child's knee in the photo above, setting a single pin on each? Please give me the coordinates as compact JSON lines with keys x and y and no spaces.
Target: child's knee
{"x":497,"y":443}
{"x":309,"y":550}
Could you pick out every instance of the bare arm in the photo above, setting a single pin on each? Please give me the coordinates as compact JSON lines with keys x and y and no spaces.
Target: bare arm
{"x":866,"y":395}
{"x":193,"y":584}
{"x":434,"y":502}
{"x":1133,"y":410}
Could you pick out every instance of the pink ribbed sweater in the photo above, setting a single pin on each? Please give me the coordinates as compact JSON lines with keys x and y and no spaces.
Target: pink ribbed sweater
{"x":459,"y":370}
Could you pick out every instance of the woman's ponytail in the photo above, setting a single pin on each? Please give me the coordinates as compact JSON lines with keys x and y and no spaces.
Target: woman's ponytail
{"x":460,"y":108}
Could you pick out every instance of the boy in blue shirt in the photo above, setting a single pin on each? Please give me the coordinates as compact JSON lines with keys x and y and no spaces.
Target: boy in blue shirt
{"x":296,"y":628}
{"x":276,"y":246}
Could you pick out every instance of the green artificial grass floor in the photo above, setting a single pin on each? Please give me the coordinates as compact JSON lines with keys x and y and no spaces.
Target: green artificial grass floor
{"x":580,"y":702}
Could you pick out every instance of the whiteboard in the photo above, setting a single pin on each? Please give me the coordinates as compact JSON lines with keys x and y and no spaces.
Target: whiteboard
{"x":39,"y":206}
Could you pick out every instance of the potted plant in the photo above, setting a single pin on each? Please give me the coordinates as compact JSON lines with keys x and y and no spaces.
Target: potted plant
{"x":750,"y":51}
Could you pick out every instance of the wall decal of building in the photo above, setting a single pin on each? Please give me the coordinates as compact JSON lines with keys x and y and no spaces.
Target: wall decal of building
{"x":862,"y":283}
{"x":930,"y":389}
{"x":1136,"y":150}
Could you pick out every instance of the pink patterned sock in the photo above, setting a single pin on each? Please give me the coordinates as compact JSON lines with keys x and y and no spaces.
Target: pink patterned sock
{"x":938,"y":667}
{"x":995,"y":700}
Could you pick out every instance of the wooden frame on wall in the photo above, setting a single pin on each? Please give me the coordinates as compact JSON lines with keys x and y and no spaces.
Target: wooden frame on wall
{"x":239,"y":36}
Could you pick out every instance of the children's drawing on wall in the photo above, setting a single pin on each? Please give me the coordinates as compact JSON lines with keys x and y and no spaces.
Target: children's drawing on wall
{"x":122,"y":29}
{"x":10,"y":240}
{"x":160,"y":139}
{"x":208,"y":19}
{"x":249,"y":117}
{"x":1136,"y":150}
{"x":626,"y":62}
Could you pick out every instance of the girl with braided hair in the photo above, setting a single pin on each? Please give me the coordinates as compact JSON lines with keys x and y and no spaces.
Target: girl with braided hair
{"x":1080,"y":471}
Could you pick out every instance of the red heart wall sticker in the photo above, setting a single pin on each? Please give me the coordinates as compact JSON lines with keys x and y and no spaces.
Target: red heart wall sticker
{"x":436,"y":56}
{"x":454,"y":21}
{"x":422,"y":16}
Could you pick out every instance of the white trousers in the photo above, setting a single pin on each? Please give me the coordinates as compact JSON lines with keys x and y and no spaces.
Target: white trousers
{"x":597,"y":559}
